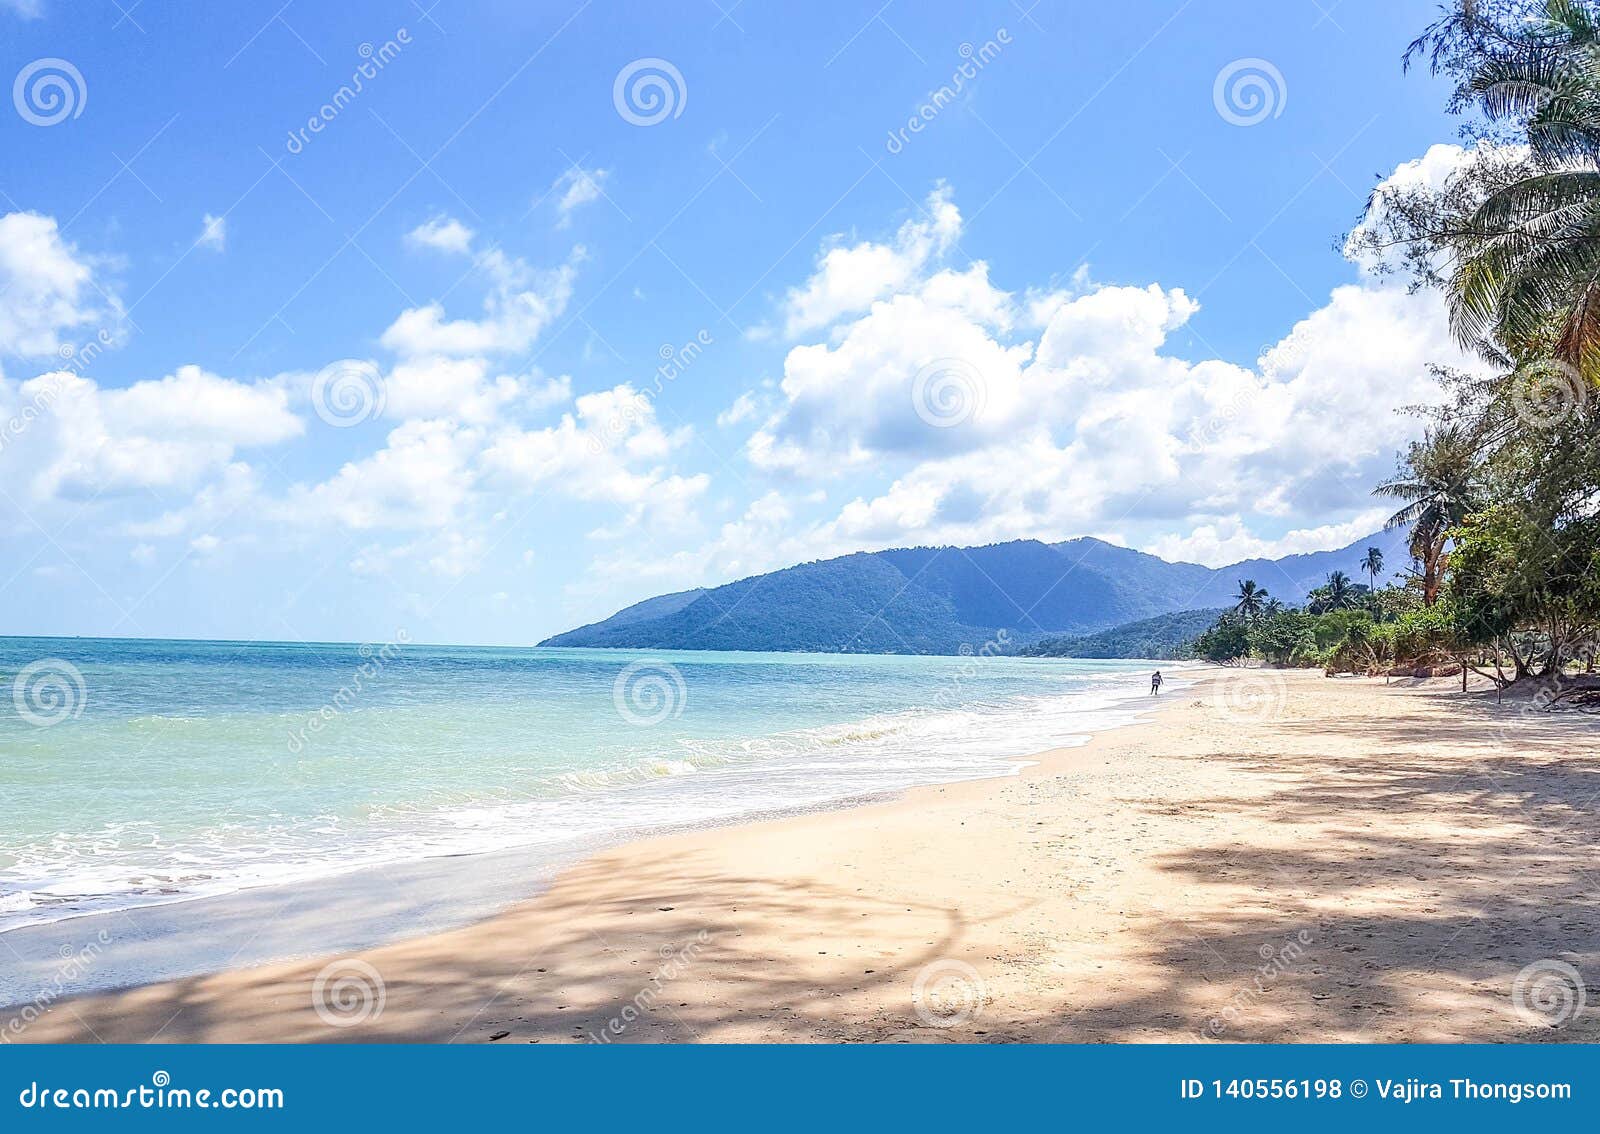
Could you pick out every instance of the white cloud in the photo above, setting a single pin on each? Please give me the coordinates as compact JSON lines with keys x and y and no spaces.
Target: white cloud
{"x":166,"y":433}
{"x":47,"y":288}
{"x":849,"y":278}
{"x":1432,"y":171}
{"x":213,"y":233}
{"x":520,"y":304}
{"x":609,"y":448}
{"x":577,"y":187}
{"x":743,"y":408}
{"x":550,"y":392}
{"x":1071,"y":413}
{"x":442,"y":234}
{"x":421,"y":478}
{"x":459,"y":388}
{"x":1231,"y":541}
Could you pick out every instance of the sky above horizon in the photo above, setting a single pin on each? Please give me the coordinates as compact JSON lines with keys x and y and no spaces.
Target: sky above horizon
{"x":553,"y":308}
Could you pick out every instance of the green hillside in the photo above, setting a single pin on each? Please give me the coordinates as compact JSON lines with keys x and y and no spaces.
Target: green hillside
{"x":1164,"y":637}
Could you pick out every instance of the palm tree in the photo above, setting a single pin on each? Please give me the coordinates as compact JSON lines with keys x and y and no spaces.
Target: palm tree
{"x":1435,"y":479}
{"x":1525,"y":254}
{"x":1273,"y":607}
{"x":1372,"y":563}
{"x":1251,"y":600}
{"x":1339,"y":591}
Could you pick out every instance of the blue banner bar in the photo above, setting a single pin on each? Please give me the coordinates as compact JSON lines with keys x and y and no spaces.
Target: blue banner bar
{"x":1279,"y":1087}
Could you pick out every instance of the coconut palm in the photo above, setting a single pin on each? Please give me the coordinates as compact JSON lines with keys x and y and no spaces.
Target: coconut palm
{"x":1522,"y":241}
{"x":1341,"y":593}
{"x":1372,"y":563}
{"x":1435,"y":480}
{"x":1251,"y":599}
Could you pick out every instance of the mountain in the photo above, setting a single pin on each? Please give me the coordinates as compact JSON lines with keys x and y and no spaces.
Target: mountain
{"x":1164,"y":636}
{"x":934,"y":600}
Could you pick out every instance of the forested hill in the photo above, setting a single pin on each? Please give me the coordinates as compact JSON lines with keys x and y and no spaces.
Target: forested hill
{"x":1165,"y":636}
{"x":935,"y":600}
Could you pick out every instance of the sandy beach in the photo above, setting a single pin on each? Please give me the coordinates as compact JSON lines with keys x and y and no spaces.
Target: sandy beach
{"x":1272,"y":856}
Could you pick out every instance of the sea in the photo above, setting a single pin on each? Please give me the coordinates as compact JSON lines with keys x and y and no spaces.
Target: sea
{"x":145,"y":783}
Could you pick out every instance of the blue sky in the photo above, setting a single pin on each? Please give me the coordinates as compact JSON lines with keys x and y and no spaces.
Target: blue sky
{"x":1089,"y":296}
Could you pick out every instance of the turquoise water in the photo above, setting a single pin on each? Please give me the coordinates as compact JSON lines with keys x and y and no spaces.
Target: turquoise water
{"x":136,"y":773}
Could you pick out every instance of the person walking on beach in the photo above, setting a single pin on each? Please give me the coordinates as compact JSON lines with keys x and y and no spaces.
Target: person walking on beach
{"x":1155,"y":683}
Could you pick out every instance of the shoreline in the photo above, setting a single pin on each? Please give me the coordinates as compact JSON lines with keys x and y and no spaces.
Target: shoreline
{"x":383,"y":904}
{"x":1270,"y":855}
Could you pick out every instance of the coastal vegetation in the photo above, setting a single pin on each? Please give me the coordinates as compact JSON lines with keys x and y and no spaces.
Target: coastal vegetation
{"x":1501,"y":496}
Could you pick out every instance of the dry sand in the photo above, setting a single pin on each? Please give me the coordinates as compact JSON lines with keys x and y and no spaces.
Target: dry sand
{"x":1276,"y":856}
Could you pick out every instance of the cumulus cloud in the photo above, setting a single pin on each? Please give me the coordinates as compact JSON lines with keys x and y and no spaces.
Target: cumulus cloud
{"x":442,"y":234}
{"x":421,"y":478}
{"x":521,"y":302}
{"x":47,"y":289}
{"x":461,"y":388}
{"x":848,"y":278}
{"x":1053,"y":412}
{"x":611,"y":448}
{"x":166,"y":433}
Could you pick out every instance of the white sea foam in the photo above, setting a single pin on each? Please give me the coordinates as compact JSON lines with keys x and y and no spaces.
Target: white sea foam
{"x":652,"y":780}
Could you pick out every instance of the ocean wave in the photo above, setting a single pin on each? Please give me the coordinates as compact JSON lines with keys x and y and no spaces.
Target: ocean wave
{"x":657,"y":783}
